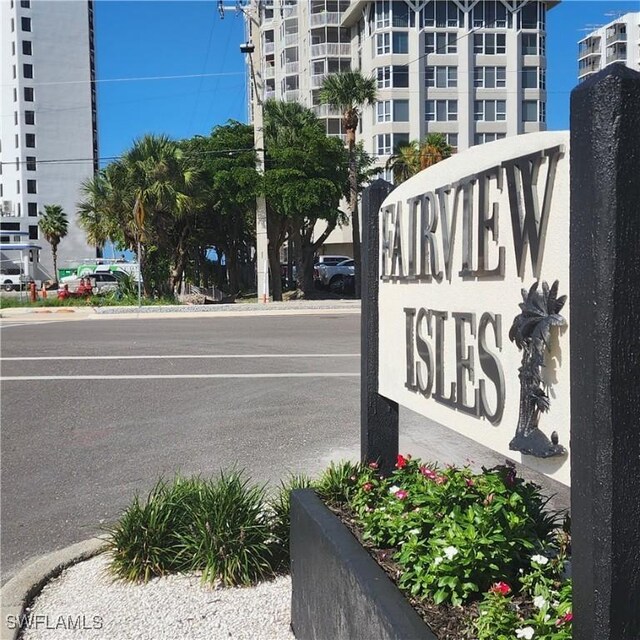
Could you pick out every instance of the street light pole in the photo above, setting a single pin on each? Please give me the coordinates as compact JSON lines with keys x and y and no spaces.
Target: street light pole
{"x":251,"y":47}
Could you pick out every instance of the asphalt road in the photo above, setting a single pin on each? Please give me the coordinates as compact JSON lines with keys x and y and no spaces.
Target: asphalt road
{"x":111,"y":405}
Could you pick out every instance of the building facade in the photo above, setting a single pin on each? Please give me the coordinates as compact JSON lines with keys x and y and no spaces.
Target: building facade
{"x":48,"y":128}
{"x":474,"y":70}
{"x":618,"y":41}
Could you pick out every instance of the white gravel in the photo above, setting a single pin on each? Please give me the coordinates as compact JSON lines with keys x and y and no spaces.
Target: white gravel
{"x":86,"y":597}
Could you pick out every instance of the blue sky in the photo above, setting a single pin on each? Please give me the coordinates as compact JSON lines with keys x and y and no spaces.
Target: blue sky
{"x":148,"y":38}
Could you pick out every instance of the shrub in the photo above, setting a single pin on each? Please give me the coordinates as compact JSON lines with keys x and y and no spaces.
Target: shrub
{"x":338,"y":481}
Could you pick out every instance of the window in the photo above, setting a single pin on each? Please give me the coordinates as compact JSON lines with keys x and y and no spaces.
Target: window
{"x":383,"y":14}
{"x":25,"y":4}
{"x":441,"y":110}
{"x":13,"y":48}
{"x":442,"y":13}
{"x":441,"y":77}
{"x":14,"y":71}
{"x":401,"y":111}
{"x":532,"y":15}
{"x":491,"y":14}
{"x":384,"y":77}
{"x":481,"y":138}
{"x":29,"y":117}
{"x":529,"y":44}
{"x":31,"y":186}
{"x":13,"y":25}
{"x":530,"y":111}
{"x":490,"y":77}
{"x":401,"y":15}
{"x":490,"y":110}
{"x":400,"y":76}
{"x":27,"y":70}
{"x":17,"y":186}
{"x":543,"y":111}
{"x":28,"y":94}
{"x":400,"y":140}
{"x":489,"y":44}
{"x":32,"y":209}
{"x":529,"y":77}
{"x":400,"y":42}
{"x":452,"y":140}
{"x":441,"y":42}
{"x":31,"y":163}
{"x":383,"y":144}
{"x":17,"y":140}
{"x":15,"y":95}
{"x":383,"y":43}
{"x":15,"y":117}
{"x":26,"y":24}
{"x":383,"y":111}
{"x":30,"y":140}
{"x":26,"y":48}
{"x":33,"y":232}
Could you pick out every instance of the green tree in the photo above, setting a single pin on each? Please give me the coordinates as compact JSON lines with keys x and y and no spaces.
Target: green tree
{"x":304,"y":180}
{"x":412,"y":157}
{"x":433,"y":149}
{"x":349,"y":92}
{"x":54,"y":226}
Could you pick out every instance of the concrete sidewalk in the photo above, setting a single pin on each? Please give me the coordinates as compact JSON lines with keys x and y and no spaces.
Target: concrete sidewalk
{"x":296,"y":307}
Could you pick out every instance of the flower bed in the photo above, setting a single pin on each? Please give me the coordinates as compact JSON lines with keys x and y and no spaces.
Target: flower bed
{"x":476,"y":554}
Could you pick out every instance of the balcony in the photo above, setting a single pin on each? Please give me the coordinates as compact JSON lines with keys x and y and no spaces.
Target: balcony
{"x":588,"y":69}
{"x":291,"y":95}
{"x":324,"y":19}
{"x":270,"y":72}
{"x":291,"y":68}
{"x":317,"y":80}
{"x":291,"y":39}
{"x":593,"y":50}
{"x":269,"y":47}
{"x":616,"y":52}
{"x":270,"y":95}
{"x":331,"y":50}
{"x":325,"y":111}
{"x":616,"y":35}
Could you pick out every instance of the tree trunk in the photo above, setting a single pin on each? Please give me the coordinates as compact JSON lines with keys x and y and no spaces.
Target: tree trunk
{"x":276,"y":229}
{"x":179,"y":260}
{"x":353,"y":208}
{"x":54,"y":255}
{"x":232,"y":270}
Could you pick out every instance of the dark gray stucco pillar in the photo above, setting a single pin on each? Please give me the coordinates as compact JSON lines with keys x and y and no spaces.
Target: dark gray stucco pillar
{"x":605,"y":355}
{"x":378,"y":415}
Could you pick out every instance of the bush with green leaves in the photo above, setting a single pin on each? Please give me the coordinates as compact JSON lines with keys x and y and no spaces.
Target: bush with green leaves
{"x":338,"y":482}
{"x":220,"y":527}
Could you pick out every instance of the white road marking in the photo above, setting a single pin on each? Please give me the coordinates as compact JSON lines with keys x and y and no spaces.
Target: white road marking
{"x":194,"y":376}
{"x":184,"y":357}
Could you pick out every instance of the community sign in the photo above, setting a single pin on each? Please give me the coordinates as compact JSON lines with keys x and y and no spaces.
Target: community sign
{"x":473,"y":269}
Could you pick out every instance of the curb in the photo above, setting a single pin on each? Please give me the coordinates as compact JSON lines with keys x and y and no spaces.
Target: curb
{"x":18,"y":592}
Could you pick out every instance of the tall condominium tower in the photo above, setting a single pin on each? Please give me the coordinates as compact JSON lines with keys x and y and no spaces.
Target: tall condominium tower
{"x":48,"y":132}
{"x":618,"y":41}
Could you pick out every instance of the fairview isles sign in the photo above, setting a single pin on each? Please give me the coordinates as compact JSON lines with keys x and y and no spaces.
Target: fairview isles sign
{"x":466,"y":337}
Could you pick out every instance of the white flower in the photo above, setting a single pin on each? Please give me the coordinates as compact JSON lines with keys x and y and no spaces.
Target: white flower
{"x":539,"y":602}
{"x":525,"y":632}
{"x":437,"y":561}
{"x":393,"y":490}
{"x":450,"y":552}
{"x":538,"y":559}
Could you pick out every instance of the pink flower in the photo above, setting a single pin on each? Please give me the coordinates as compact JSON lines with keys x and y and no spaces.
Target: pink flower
{"x":567,"y":617}
{"x":428,"y":473}
{"x":441,"y":480}
{"x":367,"y":486}
{"x":401,"y":462}
{"x":470,"y":482}
{"x":501,"y":588}
{"x":401,"y":495}
{"x":373,"y":465}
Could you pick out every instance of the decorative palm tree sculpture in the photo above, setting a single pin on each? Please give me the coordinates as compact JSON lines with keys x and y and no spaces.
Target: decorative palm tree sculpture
{"x":531,"y":330}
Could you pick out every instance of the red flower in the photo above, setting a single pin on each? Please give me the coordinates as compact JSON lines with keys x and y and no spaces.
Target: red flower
{"x":501,"y":588}
{"x":373,"y":465}
{"x":367,"y":486}
{"x":428,"y":473}
{"x":401,"y":462}
{"x":567,"y":617}
{"x":401,"y":495}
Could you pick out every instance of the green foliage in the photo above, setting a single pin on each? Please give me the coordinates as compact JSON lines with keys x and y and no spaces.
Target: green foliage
{"x":54,"y":226}
{"x":457,"y":532}
{"x":219,"y":527}
{"x":338,"y":482}
{"x":280,"y":506}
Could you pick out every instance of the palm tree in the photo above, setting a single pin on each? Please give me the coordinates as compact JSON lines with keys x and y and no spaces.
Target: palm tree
{"x":348,"y":92}
{"x":54,"y":225}
{"x":531,"y":330}
{"x":433,"y":149}
{"x":405,"y":162}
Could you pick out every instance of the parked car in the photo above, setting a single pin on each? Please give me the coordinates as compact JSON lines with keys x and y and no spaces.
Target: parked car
{"x":337,"y":277}
{"x":328,"y":260}
{"x":101,"y":282}
{"x":11,"y":279}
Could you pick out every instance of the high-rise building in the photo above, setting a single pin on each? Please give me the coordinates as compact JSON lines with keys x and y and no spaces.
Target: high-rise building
{"x":618,"y":41}
{"x":472,"y":70}
{"x":48,"y":129}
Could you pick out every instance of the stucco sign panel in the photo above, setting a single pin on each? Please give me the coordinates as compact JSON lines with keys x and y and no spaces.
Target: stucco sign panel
{"x":459,"y":243}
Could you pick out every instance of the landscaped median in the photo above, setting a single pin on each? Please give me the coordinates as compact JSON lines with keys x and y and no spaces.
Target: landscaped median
{"x":428,"y":552}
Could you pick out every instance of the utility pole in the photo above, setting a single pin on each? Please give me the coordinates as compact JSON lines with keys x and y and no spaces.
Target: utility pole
{"x":253,"y":48}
